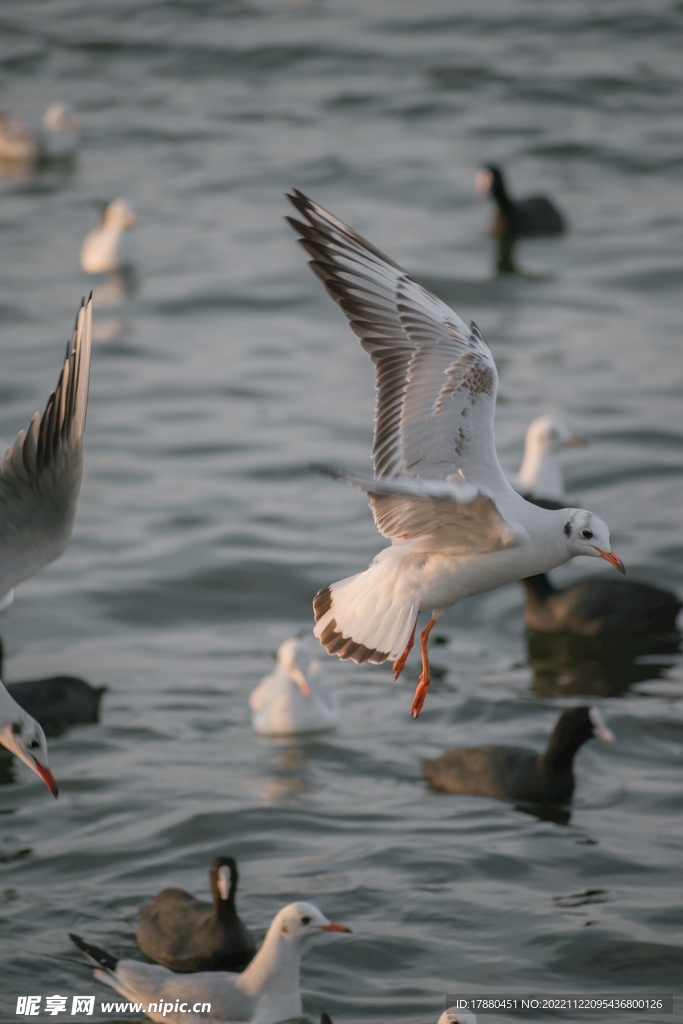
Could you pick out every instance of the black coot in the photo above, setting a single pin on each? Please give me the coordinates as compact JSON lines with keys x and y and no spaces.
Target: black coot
{"x":516,"y":773}
{"x":57,"y":702}
{"x":599,"y":605}
{"x":535,"y":217}
{"x":187,"y":935}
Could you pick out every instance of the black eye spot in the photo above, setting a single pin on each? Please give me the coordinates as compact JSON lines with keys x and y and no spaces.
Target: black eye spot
{"x":587,"y":534}
{"x":16,"y":728}
{"x":305,"y":920}
{"x":567,"y":529}
{"x":34,"y":744}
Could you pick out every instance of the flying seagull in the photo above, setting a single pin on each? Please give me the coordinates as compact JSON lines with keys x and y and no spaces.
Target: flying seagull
{"x":456,"y":525}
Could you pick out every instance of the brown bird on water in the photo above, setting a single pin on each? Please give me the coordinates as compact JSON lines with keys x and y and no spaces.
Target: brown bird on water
{"x":534,"y":217}
{"x":516,"y":773}
{"x":187,"y":935}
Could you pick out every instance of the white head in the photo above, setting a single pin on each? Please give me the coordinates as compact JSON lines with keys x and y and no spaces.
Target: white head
{"x":60,"y":118}
{"x":540,"y":473}
{"x":118,"y":214}
{"x":586,"y":534}
{"x":295,"y":660}
{"x":600,"y":729}
{"x":299,"y":921}
{"x":454,"y":1016}
{"x":549,"y":434}
{"x":24,"y":737}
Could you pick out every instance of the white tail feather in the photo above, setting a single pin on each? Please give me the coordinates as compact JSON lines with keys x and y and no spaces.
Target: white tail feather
{"x":364,"y":618}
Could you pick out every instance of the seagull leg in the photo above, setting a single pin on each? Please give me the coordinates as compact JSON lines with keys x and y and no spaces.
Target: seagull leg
{"x":425,"y":678}
{"x":400,"y":662}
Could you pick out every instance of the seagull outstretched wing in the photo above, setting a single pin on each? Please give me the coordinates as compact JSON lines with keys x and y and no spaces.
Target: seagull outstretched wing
{"x":436,"y":379}
{"x":452,"y":515}
{"x":40,"y":474}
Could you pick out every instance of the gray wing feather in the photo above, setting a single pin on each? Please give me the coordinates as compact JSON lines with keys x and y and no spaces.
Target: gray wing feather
{"x":40,"y":474}
{"x":454,"y":515}
{"x":436,"y":379}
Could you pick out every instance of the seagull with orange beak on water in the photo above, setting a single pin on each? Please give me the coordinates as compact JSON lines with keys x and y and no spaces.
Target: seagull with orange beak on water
{"x":457,"y":526}
{"x":293,"y":700}
{"x":24,"y":737}
{"x":267,"y":991}
{"x":540,"y":476}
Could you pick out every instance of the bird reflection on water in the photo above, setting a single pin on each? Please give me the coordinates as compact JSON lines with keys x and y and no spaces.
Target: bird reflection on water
{"x":559,"y":814}
{"x":121,"y":284}
{"x":604,"y":666}
{"x":286,"y":781}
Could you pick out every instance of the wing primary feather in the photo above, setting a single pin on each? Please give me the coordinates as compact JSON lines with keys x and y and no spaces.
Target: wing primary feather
{"x":40,"y":474}
{"x":101,"y":957}
{"x":64,"y":417}
{"x":435,"y":378}
{"x":312,"y":210}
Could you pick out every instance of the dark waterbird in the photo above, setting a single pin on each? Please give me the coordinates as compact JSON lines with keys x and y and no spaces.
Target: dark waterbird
{"x":516,"y":773}
{"x":598,"y":605}
{"x":535,"y":217}
{"x":57,"y":702}
{"x":187,"y":935}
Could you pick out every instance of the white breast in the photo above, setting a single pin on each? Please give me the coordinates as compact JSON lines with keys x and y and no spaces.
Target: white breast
{"x":105,"y":249}
{"x":279,"y":708}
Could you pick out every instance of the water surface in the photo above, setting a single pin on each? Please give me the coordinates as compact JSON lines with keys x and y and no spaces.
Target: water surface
{"x":201,"y":536}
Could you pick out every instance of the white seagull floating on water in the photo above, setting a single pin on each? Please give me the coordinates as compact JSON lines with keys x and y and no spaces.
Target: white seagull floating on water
{"x":55,"y":139}
{"x":108,"y":246}
{"x":40,"y":476}
{"x":456,"y":525}
{"x":294,"y":698}
{"x":267,"y":991}
{"x":540,"y":475}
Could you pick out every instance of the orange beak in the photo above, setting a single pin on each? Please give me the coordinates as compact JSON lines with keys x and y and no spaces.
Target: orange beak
{"x":48,"y":778}
{"x":576,"y":442}
{"x":333,"y":926}
{"x":613,"y":558}
{"x":300,"y":679}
